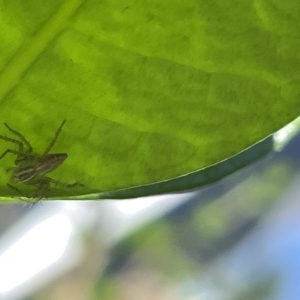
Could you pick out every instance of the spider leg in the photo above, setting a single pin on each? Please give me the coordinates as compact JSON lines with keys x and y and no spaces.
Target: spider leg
{"x":14,"y":188}
{"x":42,"y":188}
{"x":58,"y":182}
{"x":22,"y":138}
{"x":20,"y":144}
{"x":40,"y":192}
{"x":53,"y":140}
{"x":10,"y":151}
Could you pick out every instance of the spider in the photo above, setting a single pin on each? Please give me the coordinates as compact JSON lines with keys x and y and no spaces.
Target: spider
{"x":31,"y":169}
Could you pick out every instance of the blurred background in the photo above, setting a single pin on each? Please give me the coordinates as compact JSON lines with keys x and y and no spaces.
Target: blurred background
{"x":237,"y":239}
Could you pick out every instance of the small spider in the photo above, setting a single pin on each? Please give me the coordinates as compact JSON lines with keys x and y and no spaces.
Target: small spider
{"x":30,"y":168}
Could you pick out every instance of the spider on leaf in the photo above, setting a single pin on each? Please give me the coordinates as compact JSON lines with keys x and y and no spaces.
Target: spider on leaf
{"x":31,"y":169}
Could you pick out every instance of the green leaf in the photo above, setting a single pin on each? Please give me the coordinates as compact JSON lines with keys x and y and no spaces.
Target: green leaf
{"x":200,"y":178}
{"x":151,"y":90}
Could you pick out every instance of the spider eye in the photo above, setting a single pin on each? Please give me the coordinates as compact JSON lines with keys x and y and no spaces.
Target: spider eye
{"x":24,"y":174}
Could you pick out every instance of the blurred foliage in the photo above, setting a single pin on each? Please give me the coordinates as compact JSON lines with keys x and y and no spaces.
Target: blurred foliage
{"x":262,"y":291}
{"x":183,"y":246}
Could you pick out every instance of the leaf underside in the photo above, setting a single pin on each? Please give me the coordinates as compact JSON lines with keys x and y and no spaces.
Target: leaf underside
{"x":151,"y":90}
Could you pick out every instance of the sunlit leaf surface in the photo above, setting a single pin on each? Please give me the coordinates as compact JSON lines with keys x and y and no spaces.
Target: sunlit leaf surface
{"x":151,"y":90}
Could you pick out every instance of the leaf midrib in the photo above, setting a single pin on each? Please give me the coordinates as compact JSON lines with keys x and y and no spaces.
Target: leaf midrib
{"x":36,"y":45}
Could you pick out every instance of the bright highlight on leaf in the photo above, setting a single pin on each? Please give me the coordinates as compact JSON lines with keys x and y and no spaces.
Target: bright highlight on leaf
{"x":151,"y":90}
